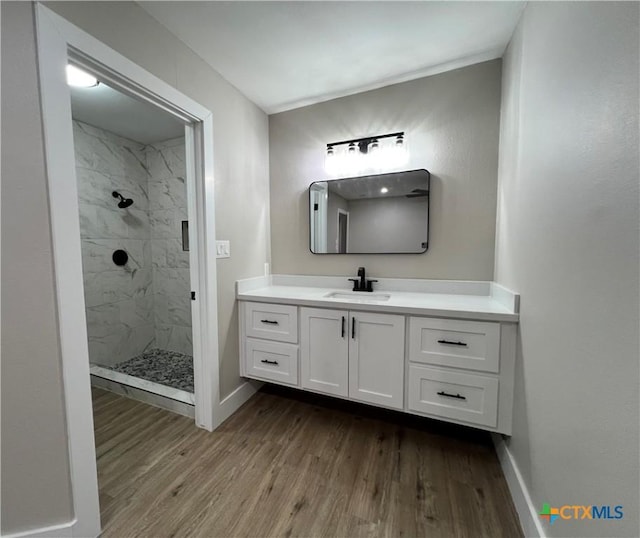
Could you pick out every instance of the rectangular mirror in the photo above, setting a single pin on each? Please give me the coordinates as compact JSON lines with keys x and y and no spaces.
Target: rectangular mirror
{"x":377,"y":214}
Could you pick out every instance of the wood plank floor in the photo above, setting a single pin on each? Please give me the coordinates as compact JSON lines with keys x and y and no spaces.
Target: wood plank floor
{"x":291,"y":464}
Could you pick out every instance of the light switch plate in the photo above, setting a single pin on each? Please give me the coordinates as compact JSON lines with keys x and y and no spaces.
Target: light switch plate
{"x":223,"y":249}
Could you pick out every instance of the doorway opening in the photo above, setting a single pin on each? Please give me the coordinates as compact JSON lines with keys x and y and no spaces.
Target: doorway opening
{"x":133,"y":214}
{"x":343,"y":232}
{"x":61,"y":43}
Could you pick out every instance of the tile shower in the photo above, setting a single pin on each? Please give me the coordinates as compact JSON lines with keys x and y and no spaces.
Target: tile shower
{"x":139,"y":314}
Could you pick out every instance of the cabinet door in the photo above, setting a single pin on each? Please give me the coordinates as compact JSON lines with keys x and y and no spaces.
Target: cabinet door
{"x":324,"y":347}
{"x":376,"y":358}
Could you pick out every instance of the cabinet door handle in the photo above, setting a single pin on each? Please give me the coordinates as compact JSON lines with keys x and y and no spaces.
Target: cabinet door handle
{"x":456,"y":396}
{"x":452,"y":343}
{"x":269,"y":321}
{"x":343,"y":323}
{"x":269,"y":362}
{"x":353,"y":328}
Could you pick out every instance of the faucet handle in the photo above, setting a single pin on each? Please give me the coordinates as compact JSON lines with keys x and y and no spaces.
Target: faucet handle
{"x":370,"y":284}
{"x":356,"y":286}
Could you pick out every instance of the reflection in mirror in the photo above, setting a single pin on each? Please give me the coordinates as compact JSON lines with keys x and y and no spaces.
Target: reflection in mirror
{"x":377,"y":214}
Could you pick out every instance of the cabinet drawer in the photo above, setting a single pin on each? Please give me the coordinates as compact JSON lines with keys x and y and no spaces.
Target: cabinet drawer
{"x":473,"y":345}
{"x":272,"y":361}
{"x":272,"y":321}
{"x":467,"y":397}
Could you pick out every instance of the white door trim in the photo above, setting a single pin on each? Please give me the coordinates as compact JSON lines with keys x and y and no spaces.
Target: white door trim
{"x":58,"y":41}
{"x":342,"y":212}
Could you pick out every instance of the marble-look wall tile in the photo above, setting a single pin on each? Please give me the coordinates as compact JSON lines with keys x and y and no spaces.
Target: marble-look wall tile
{"x":97,"y":254}
{"x":136,"y":312}
{"x":167,"y":210}
{"x":146,"y":303}
{"x":176,"y":257}
{"x":167,"y":223}
{"x":159,"y":252}
{"x":174,"y":338}
{"x":168,"y":194}
{"x":100,"y":150}
{"x":172,"y":310}
{"x":122,"y":285}
{"x":171,"y":281}
{"x":95,"y":187}
{"x":119,"y":300}
{"x":166,"y":159}
{"x":93,"y":292}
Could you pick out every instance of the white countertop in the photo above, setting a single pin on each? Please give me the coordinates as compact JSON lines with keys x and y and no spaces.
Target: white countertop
{"x":490,"y":307}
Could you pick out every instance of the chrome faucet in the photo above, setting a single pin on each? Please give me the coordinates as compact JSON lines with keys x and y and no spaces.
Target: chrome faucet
{"x":361,"y":283}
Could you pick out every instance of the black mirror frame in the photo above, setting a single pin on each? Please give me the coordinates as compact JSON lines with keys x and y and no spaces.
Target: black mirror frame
{"x":426,"y":244}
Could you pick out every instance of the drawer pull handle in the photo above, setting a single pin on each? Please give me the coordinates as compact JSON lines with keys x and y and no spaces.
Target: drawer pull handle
{"x":456,"y":396}
{"x":269,"y":321}
{"x":452,"y":343}
{"x":269,"y":362}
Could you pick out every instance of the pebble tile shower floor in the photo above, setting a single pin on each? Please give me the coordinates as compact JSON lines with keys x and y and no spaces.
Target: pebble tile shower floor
{"x":168,"y":368}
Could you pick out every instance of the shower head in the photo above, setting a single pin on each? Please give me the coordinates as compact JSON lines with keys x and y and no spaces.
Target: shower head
{"x":124,"y":202}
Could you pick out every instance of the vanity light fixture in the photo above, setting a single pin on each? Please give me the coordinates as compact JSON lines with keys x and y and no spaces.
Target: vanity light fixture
{"x":372,"y":153}
{"x":78,"y":78}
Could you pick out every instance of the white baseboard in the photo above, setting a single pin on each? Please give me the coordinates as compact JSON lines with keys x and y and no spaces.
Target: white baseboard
{"x":529,"y":519}
{"x":64,"y":530}
{"x":236,"y":399}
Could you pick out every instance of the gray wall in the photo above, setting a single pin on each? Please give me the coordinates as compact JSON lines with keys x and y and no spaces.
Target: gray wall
{"x":35,"y":474}
{"x":395,"y":224}
{"x":35,"y":467}
{"x":567,"y":241}
{"x":451,"y":122}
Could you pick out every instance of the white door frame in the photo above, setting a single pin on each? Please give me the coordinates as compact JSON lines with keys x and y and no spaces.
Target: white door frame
{"x":59,"y":41}
{"x":346,"y":247}
{"x":319,"y":194}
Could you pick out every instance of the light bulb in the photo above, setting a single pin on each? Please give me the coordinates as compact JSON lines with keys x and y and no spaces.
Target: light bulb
{"x":79,"y":78}
{"x":397,"y":154}
{"x":331,"y":162}
{"x":374,"y":155}
{"x":384,"y":190}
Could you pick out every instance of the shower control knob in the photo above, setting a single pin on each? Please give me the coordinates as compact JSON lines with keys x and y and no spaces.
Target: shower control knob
{"x":120,"y":257}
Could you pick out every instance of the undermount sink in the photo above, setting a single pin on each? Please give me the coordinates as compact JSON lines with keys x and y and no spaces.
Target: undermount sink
{"x":358,"y":296}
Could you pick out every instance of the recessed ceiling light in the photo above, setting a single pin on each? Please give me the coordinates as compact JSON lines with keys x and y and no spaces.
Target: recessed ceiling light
{"x":79,"y":78}
{"x":384,"y":190}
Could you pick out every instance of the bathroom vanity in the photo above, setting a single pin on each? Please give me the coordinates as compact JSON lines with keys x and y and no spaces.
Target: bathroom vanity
{"x":440,"y":349}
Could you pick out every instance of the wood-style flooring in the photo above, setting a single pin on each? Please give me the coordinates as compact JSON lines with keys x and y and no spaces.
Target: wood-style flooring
{"x":291,"y":464}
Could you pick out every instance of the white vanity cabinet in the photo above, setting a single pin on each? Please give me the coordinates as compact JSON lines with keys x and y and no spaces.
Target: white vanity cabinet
{"x":461,"y":370}
{"x":268,"y":343}
{"x":359,"y":355}
{"x":444,"y":356}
